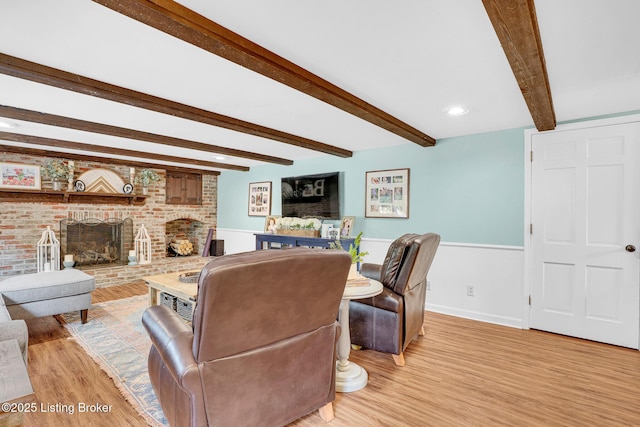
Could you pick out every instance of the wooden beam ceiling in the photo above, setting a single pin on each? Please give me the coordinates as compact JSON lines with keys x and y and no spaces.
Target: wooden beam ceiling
{"x":83,"y":125}
{"x":183,"y":23}
{"x":70,"y":145}
{"x":32,"y":71}
{"x":86,"y":158}
{"x":516,"y":25}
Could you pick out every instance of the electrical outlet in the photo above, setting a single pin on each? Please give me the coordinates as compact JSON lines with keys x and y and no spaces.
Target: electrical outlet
{"x":471,"y":290}
{"x":428,"y":285}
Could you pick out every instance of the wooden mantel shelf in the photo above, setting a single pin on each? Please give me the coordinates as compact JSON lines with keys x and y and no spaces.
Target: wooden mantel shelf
{"x":51,"y":196}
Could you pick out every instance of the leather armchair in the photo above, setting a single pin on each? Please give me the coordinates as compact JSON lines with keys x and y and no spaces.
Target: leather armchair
{"x":262,"y":347}
{"x":389,"y":321}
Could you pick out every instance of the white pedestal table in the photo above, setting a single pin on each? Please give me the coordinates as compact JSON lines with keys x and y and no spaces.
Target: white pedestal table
{"x":349,"y":375}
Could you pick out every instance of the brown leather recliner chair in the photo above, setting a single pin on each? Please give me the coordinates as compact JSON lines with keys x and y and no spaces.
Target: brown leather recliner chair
{"x":389,"y":321}
{"x":262,"y":348}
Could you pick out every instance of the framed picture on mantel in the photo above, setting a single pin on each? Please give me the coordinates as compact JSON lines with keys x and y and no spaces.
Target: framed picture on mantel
{"x":387,"y":194}
{"x":260,"y":198}
{"x":14,"y":175}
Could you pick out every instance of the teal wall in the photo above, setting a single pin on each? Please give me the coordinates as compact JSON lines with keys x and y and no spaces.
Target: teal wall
{"x":468,"y":189}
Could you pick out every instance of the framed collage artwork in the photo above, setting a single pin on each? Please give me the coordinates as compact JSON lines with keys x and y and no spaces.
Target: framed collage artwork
{"x":260,"y":198}
{"x":387,"y":194}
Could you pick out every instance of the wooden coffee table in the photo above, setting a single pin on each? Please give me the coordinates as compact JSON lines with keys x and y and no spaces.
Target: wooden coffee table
{"x":170,"y":284}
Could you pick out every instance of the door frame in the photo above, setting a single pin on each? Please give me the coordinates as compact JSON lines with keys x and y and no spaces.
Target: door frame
{"x":528,"y":138}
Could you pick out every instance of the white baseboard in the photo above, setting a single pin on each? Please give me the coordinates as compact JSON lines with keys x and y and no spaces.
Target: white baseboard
{"x":474,"y":315}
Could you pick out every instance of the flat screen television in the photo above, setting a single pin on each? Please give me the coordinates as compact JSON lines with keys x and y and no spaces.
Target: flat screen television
{"x":311,"y":196}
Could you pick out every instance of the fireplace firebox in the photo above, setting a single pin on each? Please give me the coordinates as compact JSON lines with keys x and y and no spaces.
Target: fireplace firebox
{"x":95,"y":243}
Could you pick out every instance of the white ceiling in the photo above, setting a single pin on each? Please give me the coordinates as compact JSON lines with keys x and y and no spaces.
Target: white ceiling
{"x":410,"y":58}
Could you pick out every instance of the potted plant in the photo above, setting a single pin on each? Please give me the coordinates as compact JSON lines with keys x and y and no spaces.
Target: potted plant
{"x":356,"y":255}
{"x":56,"y":169}
{"x":306,"y":227}
{"x":146,"y":177}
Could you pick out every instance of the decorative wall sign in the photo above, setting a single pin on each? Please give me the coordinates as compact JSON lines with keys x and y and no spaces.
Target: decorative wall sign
{"x":311,"y":196}
{"x":260,"y":198}
{"x":102,"y":181}
{"x":15,"y":175}
{"x":387,"y":194}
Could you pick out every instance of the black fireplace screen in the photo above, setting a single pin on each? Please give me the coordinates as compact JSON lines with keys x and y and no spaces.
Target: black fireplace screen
{"x":97,"y":243}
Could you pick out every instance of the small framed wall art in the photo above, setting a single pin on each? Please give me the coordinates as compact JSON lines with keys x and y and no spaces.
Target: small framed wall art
{"x":15,"y":175}
{"x":260,"y":198}
{"x":387,"y":194}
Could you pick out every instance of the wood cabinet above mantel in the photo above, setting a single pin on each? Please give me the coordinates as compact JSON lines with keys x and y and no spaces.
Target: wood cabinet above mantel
{"x":184,"y":188}
{"x":51,"y":196}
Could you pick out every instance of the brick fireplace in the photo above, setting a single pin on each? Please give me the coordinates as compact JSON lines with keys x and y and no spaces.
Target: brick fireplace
{"x":22,"y":224}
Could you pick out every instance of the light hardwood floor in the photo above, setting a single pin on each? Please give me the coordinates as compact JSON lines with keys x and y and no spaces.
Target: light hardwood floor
{"x":461,"y":373}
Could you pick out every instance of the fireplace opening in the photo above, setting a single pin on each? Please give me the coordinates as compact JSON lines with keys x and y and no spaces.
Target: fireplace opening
{"x":183,"y":237}
{"x":95,"y":243}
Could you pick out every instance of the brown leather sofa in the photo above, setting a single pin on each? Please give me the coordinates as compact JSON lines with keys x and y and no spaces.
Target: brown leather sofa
{"x":262,"y":348}
{"x":389,"y":321}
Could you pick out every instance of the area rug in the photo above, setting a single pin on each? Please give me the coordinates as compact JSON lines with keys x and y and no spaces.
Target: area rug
{"x":115,"y":338}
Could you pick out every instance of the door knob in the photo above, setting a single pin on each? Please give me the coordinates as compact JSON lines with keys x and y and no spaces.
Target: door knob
{"x":630,"y":248}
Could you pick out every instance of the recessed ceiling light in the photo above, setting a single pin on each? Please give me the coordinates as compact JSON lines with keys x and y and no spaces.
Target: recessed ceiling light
{"x":456,"y":110}
{"x":219,"y":157}
{"x":7,"y":125}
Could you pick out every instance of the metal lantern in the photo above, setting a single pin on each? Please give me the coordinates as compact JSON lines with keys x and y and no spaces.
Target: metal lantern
{"x":48,"y":251}
{"x":143,"y":246}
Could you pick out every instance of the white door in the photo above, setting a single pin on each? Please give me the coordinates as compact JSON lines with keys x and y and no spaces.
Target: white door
{"x":585,"y":213}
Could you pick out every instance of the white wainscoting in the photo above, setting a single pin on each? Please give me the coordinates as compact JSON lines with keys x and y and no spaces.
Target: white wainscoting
{"x":496,"y":272}
{"x":236,"y":241}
